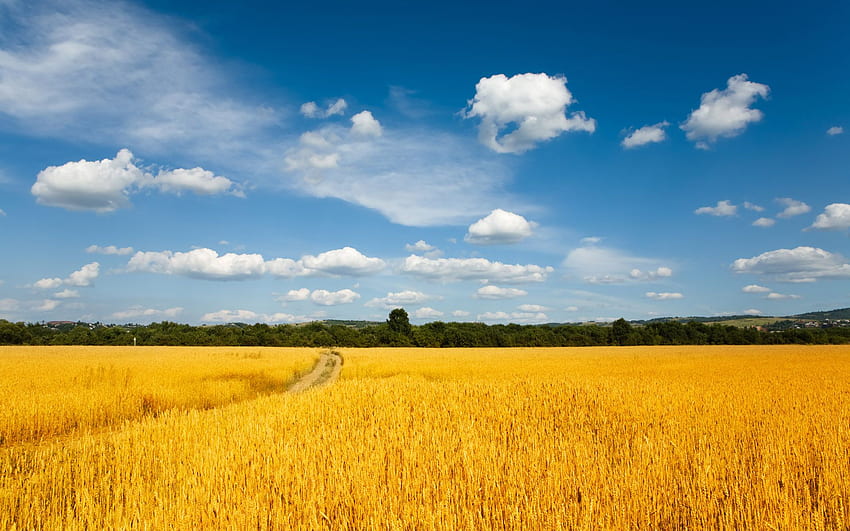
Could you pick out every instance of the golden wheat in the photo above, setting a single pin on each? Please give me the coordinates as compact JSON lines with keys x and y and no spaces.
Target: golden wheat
{"x":625,"y":438}
{"x":50,"y":391}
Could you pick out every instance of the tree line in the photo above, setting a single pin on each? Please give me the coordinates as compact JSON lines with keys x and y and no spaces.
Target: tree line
{"x":398,"y":332}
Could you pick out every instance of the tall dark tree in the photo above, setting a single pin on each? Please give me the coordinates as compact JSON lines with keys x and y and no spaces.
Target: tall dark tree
{"x":399,"y":321}
{"x":620,"y":332}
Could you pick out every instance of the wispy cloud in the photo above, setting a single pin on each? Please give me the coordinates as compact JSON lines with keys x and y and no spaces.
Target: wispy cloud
{"x":96,"y":71}
{"x":129,"y":72}
{"x":417,"y":177}
{"x":605,"y":265}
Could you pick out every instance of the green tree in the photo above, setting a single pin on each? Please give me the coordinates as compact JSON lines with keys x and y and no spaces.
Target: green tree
{"x":620,"y":332}
{"x":399,"y":322}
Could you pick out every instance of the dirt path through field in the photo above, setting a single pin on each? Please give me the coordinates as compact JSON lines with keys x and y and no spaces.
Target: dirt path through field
{"x":325,"y":371}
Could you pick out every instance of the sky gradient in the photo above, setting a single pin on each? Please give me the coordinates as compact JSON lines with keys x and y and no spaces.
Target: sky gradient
{"x":209,"y":162}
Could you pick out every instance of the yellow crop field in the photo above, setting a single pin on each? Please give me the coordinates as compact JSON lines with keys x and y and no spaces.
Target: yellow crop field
{"x":562,"y":438}
{"x":51,"y":391}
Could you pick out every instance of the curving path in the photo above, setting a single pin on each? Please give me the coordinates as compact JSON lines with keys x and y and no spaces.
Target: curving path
{"x":325,"y":372}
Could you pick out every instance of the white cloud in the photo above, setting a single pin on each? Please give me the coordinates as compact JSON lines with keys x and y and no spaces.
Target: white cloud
{"x":419,"y":247}
{"x":207,"y":264}
{"x":337,"y":107}
{"x":334,"y":298}
{"x":752,"y":311}
{"x":67,"y":294}
{"x":364,"y":124}
{"x":755,"y":288}
{"x":116,"y":72}
{"x":427,"y":313}
{"x":835,"y":130}
{"x":723,"y":208}
{"x":109,"y":249}
{"x":496,"y":292}
{"x":604,"y":265}
{"x":102,"y":186}
{"x":647,"y":134}
{"x":196,"y":180}
{"x":834,"y":217}
{"x":499,"y":227}
{"x":9,"y":305}
{"x":2,"y":213}
{"x":311,"y":110}
{"x":792,"y":207}
{"x":460,"y":313}
{"x":604,"y":279}
{"x":48,"y":305}
{"x":247,"y":316}
{"x":83,"y":277}
{"x":400,"y":298}
{"x":659,"y":272}
{"x":517,"y":317}
{"x":781,"y":296}
{"x":416,"y":177}
{"x":663,"y":296}
{"x":230,"y":316}
{"x":801,"y":264}
{"x":423,"y":248}
{"x":286,"y":268}
{"x":725,"y":113}
{"x":345,"y":261}
{"x":571,"y":308}
{"x":48,"y":283}
{"x":106,"y":185}
{"x":764,"y":222}
{"x":532,"y":308}
{"x":295,"y":295}
{"x":753,"y":207}
{"x":198,"y":263}
{"x":591,"y":240}
{"x":455,"y":269}
{"x":535,"y":103}
{"x":138,"y":311}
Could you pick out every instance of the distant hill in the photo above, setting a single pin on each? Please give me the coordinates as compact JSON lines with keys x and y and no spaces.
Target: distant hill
{"x":351,"y":324}
{"x":714,"y":319}
{"x":759,"y":320}
{"x":843,"y":313}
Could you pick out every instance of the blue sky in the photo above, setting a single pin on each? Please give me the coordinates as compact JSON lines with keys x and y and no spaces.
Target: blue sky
{"x":208,"y":162}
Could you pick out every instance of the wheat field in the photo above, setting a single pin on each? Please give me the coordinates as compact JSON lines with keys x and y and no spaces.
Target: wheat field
{"x":54,"y":391}
{"x":562,"y":438}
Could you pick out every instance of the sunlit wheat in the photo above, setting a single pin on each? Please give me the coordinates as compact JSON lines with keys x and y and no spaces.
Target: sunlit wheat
{"x":619,"y":438}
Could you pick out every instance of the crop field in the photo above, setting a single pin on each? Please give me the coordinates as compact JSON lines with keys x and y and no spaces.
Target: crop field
{"x":54,"y":391}
{"x":560,"y":438}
